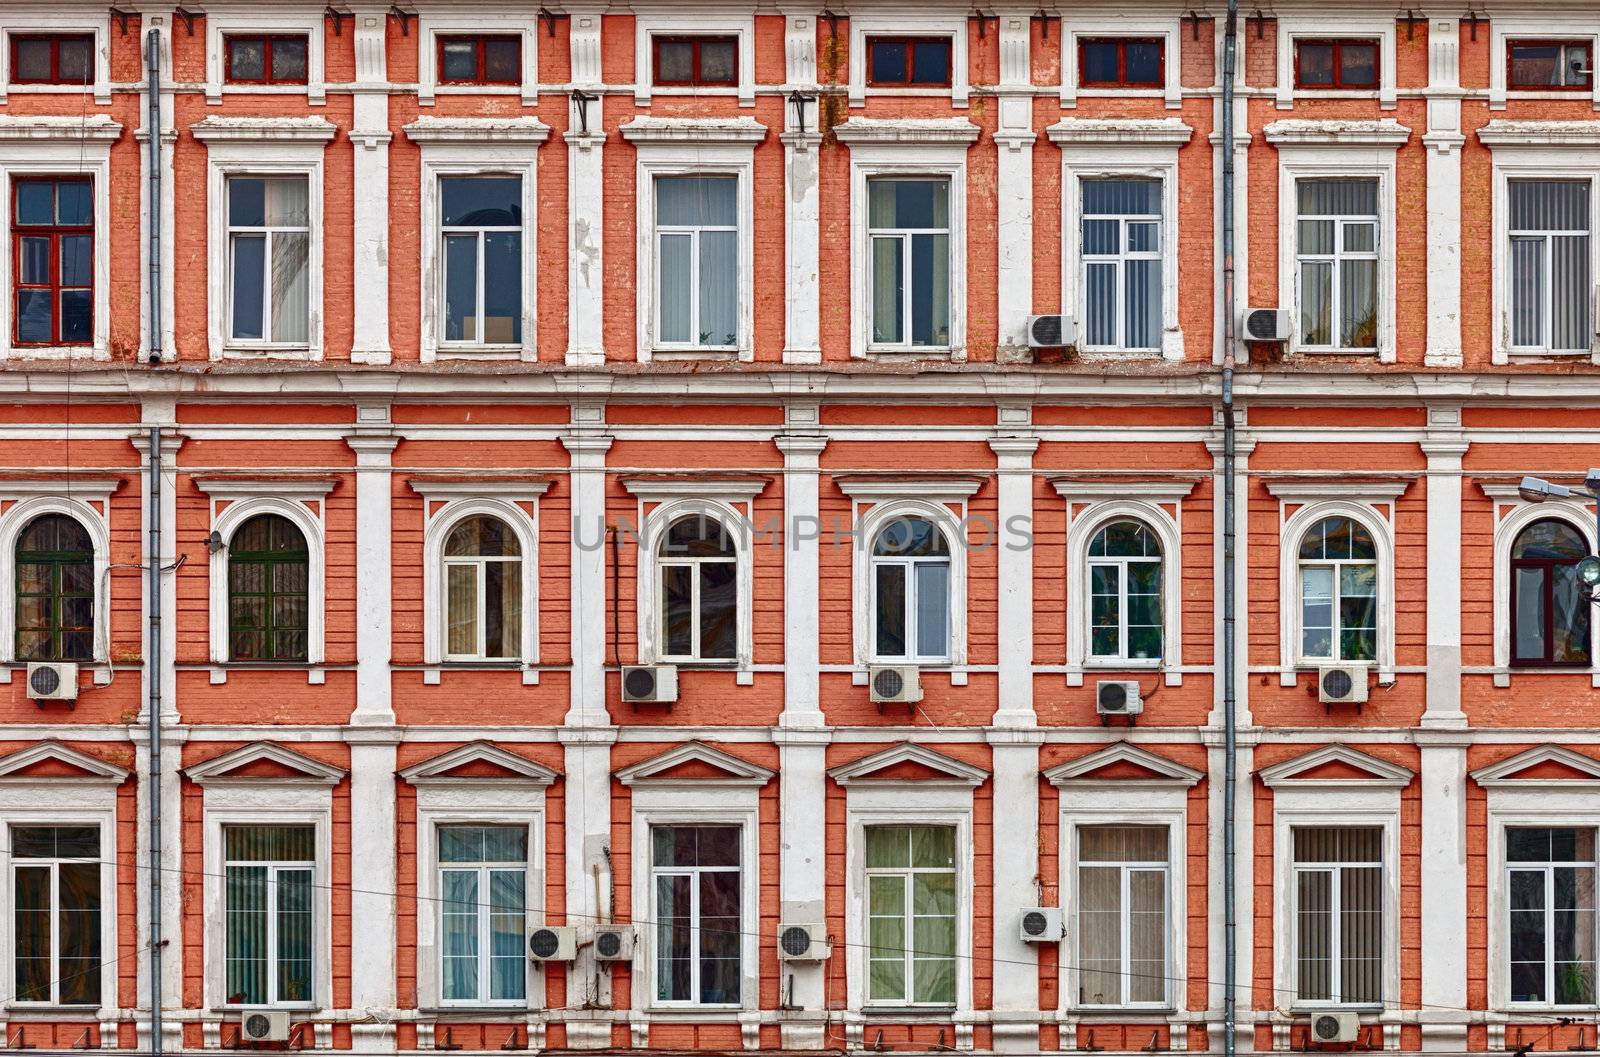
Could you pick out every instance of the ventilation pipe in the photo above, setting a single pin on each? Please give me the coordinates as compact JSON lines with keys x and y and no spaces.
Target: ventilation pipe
{"x":153,"y":557}
{"x":1230,"y":960}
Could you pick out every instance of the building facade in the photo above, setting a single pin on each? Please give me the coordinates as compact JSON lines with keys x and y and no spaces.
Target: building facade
{"x":445,"y":361}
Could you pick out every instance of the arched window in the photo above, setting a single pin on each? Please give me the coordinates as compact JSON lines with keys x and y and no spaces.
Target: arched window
{"x":1549,"y":606}
{"x":55,"y":591}
{"x":482,"y":591}
{"x":1338,"y":569}
{"x":269,"y":592}
{"x":911,"y":591}
{"x":699,"y":590}
{"x":1125,"y":593}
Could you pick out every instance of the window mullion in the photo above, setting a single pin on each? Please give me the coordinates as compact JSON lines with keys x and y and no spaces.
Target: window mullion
{"x":483,"y":238}
{"x":485,"y":935}
{"x":271,"y":952}
{"x":906,"y":269}
{"x":481,"y":602}
{"x":1125,"y":925}
{"x":908,"y":994}
{"x":1335,"y":932}
{"x":1549,"y":935}
{"x":694,"y":605}
{"x":694,"y":936}
{"x":55,"y":930}
{"x":694,"y":286}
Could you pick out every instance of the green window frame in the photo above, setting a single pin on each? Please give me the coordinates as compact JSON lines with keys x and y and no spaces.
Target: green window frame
{"x":269,"y":591}
{"x":55,"y":590}
{"x":912,"y":904}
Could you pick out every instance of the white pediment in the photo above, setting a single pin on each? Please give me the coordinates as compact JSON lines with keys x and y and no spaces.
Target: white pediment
{"x":948,"y":770}
{"x":437,"y":769}
{"x":1162,"y":770}
{"x":1504,"y":773}
{"x":303,"y":768}
{"x":1297,"y":772}
{"x":92,"y":768}
{"x":659,"y":768}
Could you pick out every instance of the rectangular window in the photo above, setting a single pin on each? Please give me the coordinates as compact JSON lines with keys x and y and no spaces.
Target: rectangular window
{"x":52,"y":58}
{"x":483,"y":884}
{"x":275,"y":58}
{"x":697,"y":261}
{"x":1121,"y":62}
{"x":1551,"y":919}
{"x":911,"y":915}
{"x":1122,"y":915}
{"x":695,"y":61}
{"x":269,"y":265}
{"x":55,"y":885}
{"x":1337,"y":254}
{"x":1336,"y":64}
{"x":1122,"y":287}
{"x":480,"y":59}
{"x":481,"y":228}
{"x":1338,"y":914}
{"x":696,"y":889}
{"x":914,"y":62}
{"x":52,"y":244}
{"x":268,"y":872}
{"x":1548,"y":65}
{"x":908,"y":231}
{"x":1549,"y":258}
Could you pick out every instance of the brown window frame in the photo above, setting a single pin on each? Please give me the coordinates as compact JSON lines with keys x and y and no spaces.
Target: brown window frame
{"x":695,"y":80}
{"x":54,"y":231}
{"x":1577,"y":42}
{"x":56,"y":40}
{"x":478,"y":40}
{"x":910,"y":41}
{"x":267,"y":41}
{"x":1547,"y":566}
{"x":1122,"y":62}
{"x":1338,"y":44}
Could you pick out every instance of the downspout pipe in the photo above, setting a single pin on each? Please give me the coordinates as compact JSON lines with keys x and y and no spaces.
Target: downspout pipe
{"x":153,"y":657}
{"x":1230,"y":602}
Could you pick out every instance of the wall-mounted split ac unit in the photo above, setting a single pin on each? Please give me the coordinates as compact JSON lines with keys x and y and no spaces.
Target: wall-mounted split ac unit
{"x":1052,"y":332}
{"x":264,"y":1025}
{"x":1118,"y":698}
{"x":894,"y":684}
{"x":1335,"y":1027}
{"x":55,"y":681}
{"x":1042,"y":925}
{"x":803,"y":942}
{"x":1342,"y":684}
{"x":552,"y":943}
{"x":613,"y":943}
{"x":656,"y":683}
{"x":1264,"y":324}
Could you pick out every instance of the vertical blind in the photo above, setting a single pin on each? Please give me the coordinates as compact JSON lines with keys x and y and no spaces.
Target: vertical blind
{"x":268,"y":909}
{"x":1550,"y":281}
{"x":1337,"y":232}
{"x":1339,"y":914}
{"x":1122,"y":263}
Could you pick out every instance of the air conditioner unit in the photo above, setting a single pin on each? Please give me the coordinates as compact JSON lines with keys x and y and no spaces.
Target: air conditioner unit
{"x":802,"y":942}
{"x":1335,"y":1027}
{"x":57,"y":681}
{"x":892,"y":683}
{"x":1264,"y":324}
{"x":552,"y":943}
{"x":1042,"y":925}
{"x":1342,"y":684}
{"x":657,"y":683}
{"x":264,"y":1025}
{"x":1052,"y":332}
{"x":1117,"y":698}
{"x":613,"y":943}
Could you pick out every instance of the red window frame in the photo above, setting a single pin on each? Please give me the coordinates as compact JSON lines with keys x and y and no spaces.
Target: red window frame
{"x":696,"y":80}
{"x":1121,"y":80}
{"x":1548,"y":567}
{"x":1588,"y":50}
{"x":54,"y":231}
{"x":267,"y":42}
{"x":478,"y":40}
{"x":56,"y":40}
{"x":1339,"y":44}
{"x":911,"y":62}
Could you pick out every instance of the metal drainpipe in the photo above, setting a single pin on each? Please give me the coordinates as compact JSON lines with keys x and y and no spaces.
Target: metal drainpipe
{"x":153,"y":570}
{"x":1229,"y":535}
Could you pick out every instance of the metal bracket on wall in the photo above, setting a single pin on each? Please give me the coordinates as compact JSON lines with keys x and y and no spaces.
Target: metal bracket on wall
{"x":122,"y":19}
{"x":338,"y":17}
{"x":1045,"y":18}
{"x":188,"y":18}
{"x":405,"y":17}
{"x":1411,"y":20}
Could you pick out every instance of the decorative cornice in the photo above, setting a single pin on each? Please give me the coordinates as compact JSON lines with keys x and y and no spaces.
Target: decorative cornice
{"x":1140,"y":132}
{"x":97,"y":489}
{"x":933,"y":489}
{"x":1336,"y":132}
{"x":1164,"y":491}
{"x":98,"y":128}
{"x":216,"y":129}
{"x":703,"y":132}
{"x":95,"y":770}
{"x":952,"y":131}
{"x":1301,"y":490}
{"x":658,"y":490}
{"x":512,"y":491}
{"x":241,"y":488}
{"x":1503,"y":133}
{"x":477,"y":130}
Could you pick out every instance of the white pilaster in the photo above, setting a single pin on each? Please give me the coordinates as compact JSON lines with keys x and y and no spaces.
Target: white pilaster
{"x":374,"y":448}
{"x":158,"y":19}
{"x":1015,"y":764}
{"x":802,"y":334}
{"x":1014,"y":186}
{"x":585,"y":138}
{"x":1444,"y":446}
{"x":587,"y":755}
{"x":1013,"y":538}
{"x":369,"y":138}
{"x":372,"y":906}
{"x":1443,"y":141}
{"x":588,"y":578}
{"x":1444,"y":887}
{"x":802,"y":529}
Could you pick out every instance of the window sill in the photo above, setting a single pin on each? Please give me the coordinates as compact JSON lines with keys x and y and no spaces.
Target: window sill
{"x":902,"y":1012}
{"x":486,"y":1009}
{"x":1320,"y":350}
{"x":720,"y":1013}
{"x":1535,"y":355}
{"x":1121,"y":1012}
{"x":46,"y":1008}
{"x":285,"y":1007}
{"x":908,"y":352}
{"x":258,"y":352}
{"x":477,"y":352}
{"x":1365,"y":1009}
{"x":708,"y":352}
{"x":55,"y":352}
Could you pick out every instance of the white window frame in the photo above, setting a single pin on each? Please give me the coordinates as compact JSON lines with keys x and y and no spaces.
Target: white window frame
{"x":932,"y":148}
{"x":1091,"y":506}
{"x":468,"y":147}
{"x":660,"y":504}
{"x":1543,"y":803}
{"x":1111,"y":27}
{"x":1161,"y":799}
{"x":875,"y":503}
{"x":1507,"y":28}
{"x":56,"y":146}
{"x":1547,"y":310}
{"x":47,"y":20}
{"x":269,"y":233}
{"x":1310,"y":150}
{"x":88,"y":798}
{"x":518,"y":20}
{"x":445,"y":505}
{"x":89,"y":506}
{"x":1300,"y":802}
{"x":693,"y":147}
{"x":274,"y":869}
{"x":1512,"y":514}
{"x":443,"y":799}
{"x":267,"y":148}
{"x":1539,"y":150}
{"x":1301,"y":505}
{"x":1316,"y":27}
{"x":648,"y":26}
{"x":733,"y":800}
{"x":296,"y":19}
{"x":909,"y":23}
{"x":1093,"y":148}
{"x":904,"y":237}
{"x":1334,"y":260}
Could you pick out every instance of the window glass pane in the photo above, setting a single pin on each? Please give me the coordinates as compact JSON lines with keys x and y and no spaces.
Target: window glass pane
{"x":1569,"y":616}
{"x":1358,"y":64}
{"x":461,"y":288}
{"x":887,"y":61}
{"x":1100,"y":935}
{"x":1121,"y":197}
{"x":78,"y":931}
{"x":719,"y":937}
{"x":35,"y":316}
{"x":294,"y":935}
{"x":1549,"y":539}
{"x":718,"y":609}
{"x":1569,"y":281}
{"x":719,"y":288}
{"x":73,"y":65}
{"x":269,"y":843}
{"x":887,"y":290}
{"x":35,"y":201}
{"x":247,"y":59}
{"x":933,"y":609}
{"x":930,"y":289}
{"x":1101,"y":237}
{"x":886,"y":937}
{"x":697,"y":201}
{"x":461,"y":601}
{"x":1314,"y":934}
{"x":1316,"y":302}
{"x":75,"y":260}
{"x":1316,"y":236}
{"x":888,"y":846}
{"x":483,"y":536}
{"x":508,"y":975}
{"x":458,"y":939}
{"x":930,"y":61}
{"x":1105,"y":618}
{"x":698,"y":536}
{"x":289,"y":59}
{"x":1099,"y":61}
{"x":480,"y":201}
{"x":717,"y":62}
{"x":1527,"y":587}
{"x":909,"y":203}
{"x":502,"y":59}
{"x":249,"y":267}
{"x":1100,"y":303}
{"x":674,"y":951}
{"x":286,"y":202}
{"x":1357,"y":197}
{"x":678,"y":609}
{"x":1361,"y":934}
{"x":1147,"y":935}
{"x":32,"y":903}
{"x":247,"y":202}
{"x":32,"y":60}
{"x":1143,"y":294}
{"x":1314,"y":64}
{"x":933,"y":846}
{"x":502,"y":288}
{"x":1142,"y":62}
{"x":458,"y":60}
{"x":1526,"y":937}
{"x":675,"y":278}
{"x":1122,"y":843}
{"x":891,"y":610}
{"x":33,"y":259}
{"x":1527,"y":291}
{"x":290,"y":284}
{"x":675,"y":61}
{"x":74,"y":202}
{"x":1360,"y":237}
{"x":246,"y":911}
{"x":1316,"y":611}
